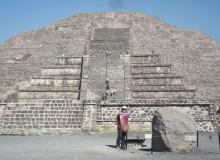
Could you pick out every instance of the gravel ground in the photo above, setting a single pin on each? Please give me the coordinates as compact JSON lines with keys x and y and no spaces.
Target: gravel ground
{"x":93,"y":147}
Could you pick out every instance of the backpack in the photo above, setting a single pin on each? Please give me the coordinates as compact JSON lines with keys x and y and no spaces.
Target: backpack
{"x":124,"y":125}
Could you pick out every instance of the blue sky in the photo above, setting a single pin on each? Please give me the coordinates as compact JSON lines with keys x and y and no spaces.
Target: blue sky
{"x":28,"y":15}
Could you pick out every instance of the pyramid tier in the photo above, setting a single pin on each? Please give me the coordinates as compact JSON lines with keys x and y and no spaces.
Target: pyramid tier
{"x":151,"y":69}
{"x":148,"y":81}
{"x":33,"y":92}
{"x":145,"y":59}
{"x":164,"y":94}
{"x":61,"y":71}
{"x":54,"y":82}
{"x":59,"y":77}
{"x":159,"y":75}
{"x":48,"y":95}
{"x":68,"y":60}
{"x":49,"y":89}
{"x":158,"y":88}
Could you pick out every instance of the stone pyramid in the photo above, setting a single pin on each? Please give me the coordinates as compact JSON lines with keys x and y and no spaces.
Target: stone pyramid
{"x":75,"y":75}
{"x":148,"y":60}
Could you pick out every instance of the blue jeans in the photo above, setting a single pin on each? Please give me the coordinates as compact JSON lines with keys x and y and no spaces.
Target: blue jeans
{"x":121,"y":139}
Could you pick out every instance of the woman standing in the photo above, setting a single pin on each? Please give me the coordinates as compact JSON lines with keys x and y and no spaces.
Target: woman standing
{"x":122,"y":127}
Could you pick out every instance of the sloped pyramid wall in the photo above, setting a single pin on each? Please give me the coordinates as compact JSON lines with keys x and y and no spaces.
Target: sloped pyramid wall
{"x":193,"y":55}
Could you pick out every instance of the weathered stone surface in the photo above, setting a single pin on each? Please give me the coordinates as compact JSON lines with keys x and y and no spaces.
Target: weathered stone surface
{"x":143,"y":59}
{"x":193,"y":55}
{"x":68,"y":114}
{"x":170,"y":128}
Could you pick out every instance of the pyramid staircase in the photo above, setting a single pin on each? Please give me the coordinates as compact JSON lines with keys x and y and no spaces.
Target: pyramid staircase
{"x":153,"y":80}
{"x":59,"y":81}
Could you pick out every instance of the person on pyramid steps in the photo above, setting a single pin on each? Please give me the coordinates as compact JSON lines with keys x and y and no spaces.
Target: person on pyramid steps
{"x":122,"y":127}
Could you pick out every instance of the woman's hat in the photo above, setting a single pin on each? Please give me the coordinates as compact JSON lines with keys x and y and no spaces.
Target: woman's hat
{"x":124,"y":107}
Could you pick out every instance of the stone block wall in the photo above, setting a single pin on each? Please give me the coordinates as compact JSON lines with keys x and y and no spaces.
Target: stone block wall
{"x":141,"y":114}
{"x":57,"y":116}
{"x":89,"y":118}
{"x":137,"y":113}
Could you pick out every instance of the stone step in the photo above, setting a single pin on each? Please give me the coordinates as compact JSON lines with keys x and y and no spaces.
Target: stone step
{"x":58,"y":77}
{"x":145,"y":59}
{"x":158,"y":88}
{"x":101,"y":41}
{"x":152,"y":69}
{"x":53,"y":82}
{"x":55,"y":66}
{"x":157,"y":81}
{"x":68,"y":60}
{"x":154,"y":76}
{"x":137,"y":65}
{"x":61,"y":71}
{"x":109,"y":34}
{"x":116,"y":45}
{"x":145,"y":55}
{"x":63,"y":67}
{"x":48,"y":101}
{"x":48,"y":89}
{"x":178,"y":94}
{"x":47,"y":95}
